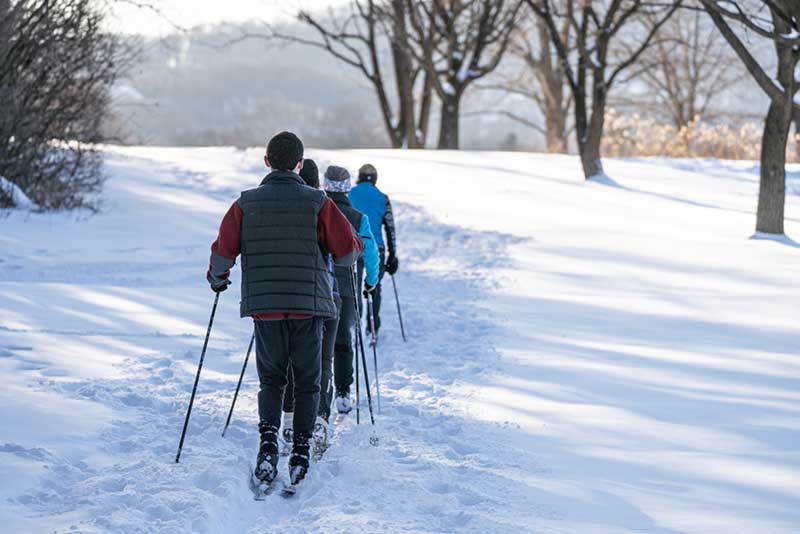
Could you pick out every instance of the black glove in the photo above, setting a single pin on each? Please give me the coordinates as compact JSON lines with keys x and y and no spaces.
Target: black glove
{"x":391,"y":264}
{"x":368,"y":289}
{"x":218,"y":285}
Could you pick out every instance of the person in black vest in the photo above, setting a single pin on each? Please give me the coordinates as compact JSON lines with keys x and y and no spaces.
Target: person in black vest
{"x":284,"y":231}
{"x":337,"y":185}
{"x":310,"y":175}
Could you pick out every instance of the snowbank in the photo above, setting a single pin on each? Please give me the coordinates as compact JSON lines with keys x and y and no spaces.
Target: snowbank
{"x":581,"y":358}
{"x":18,"y":197}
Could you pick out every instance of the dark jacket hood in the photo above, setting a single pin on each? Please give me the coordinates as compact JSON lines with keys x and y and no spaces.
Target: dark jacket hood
{"x":339,"y":198}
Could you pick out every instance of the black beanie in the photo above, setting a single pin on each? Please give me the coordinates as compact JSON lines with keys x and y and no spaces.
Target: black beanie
{"x":310,"y":173}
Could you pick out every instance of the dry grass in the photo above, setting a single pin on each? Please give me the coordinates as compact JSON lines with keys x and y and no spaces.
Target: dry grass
{"x":634,"y":135}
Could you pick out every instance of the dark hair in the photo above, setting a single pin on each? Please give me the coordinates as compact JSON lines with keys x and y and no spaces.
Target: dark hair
{"x":284,"y":151}
{"x":368,"y":173}
{"x":310,"y":173}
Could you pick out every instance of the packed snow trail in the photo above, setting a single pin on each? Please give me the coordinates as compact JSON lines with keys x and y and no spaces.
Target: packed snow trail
{"x":581,"y":357}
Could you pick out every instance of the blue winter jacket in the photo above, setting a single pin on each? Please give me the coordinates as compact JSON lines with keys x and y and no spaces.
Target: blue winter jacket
{"x":369,"y":200}
{"x":334,"y":285}
{"x":370,"y":254}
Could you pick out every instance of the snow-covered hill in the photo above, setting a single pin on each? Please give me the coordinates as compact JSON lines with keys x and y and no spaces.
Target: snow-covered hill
{"x":608,"y":357}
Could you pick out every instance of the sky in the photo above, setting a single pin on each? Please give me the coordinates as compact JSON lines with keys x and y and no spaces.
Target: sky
{"x":127,"y":18}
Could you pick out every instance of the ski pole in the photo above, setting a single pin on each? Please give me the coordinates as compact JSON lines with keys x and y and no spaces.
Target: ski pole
{"x":355,"y":342}
{"x":196,"y":379}
{"x":373,"y":439}
{"x":399,"y":313}
{"x":358,"y":380}
{"x":239,"y":385}
{"x":374,"y":348}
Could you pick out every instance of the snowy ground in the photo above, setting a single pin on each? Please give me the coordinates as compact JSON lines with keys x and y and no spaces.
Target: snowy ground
{"x":583,"y":357}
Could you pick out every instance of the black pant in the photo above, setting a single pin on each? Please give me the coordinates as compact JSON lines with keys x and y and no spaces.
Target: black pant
{"x":343,"y":349}
{"x":329,"y":329}
{"x":279,"y":343}
{"x":376,"y":294}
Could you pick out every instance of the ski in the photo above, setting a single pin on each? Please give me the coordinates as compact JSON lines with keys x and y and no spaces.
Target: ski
{"x":296,"y":476}
{"x":259,"y":488}
{"x":289,"y":490}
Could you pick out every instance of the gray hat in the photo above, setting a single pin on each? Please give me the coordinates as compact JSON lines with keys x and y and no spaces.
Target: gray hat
{"x":337,"y":179}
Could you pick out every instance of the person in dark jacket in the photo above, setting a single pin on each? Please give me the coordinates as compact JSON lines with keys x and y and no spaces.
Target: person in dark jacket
{"x":310,"y":175}
{"x":367,"y":198}
{"x":337,"y":186}
{"x":284,"y":232}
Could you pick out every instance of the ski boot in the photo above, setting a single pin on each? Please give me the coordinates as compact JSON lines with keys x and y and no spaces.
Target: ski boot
{"x":267,"y":460}
{"x":287,"y":433}
{"x":298,"y":463}
{"x":343,"y":403}
{"x":322,"y":434}
{"x":372,"y":339}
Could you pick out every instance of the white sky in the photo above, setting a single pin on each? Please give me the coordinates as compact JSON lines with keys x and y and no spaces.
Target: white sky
{"x":187,"y":13}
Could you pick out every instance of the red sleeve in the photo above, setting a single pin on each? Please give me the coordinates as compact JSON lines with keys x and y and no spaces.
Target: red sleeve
{"x":228,"y":244}
{"x":336,"y":233}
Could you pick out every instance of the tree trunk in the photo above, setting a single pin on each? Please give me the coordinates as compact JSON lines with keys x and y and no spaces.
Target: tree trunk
{"x":448,"y":129}
{"x":797,"y":133}
{"x":394,"y":131}
{"x":590,"y":158}
{"x":555,"y":129}
{"x":772,"y":188}
{"x":425,"y":110}
{"x":593,"y":138}
{"x":405,"y":90}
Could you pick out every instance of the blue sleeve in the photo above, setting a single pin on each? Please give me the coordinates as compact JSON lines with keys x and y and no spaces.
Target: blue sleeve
{"x":371,"y":259}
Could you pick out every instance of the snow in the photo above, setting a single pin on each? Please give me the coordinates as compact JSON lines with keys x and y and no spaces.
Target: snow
{"x":598,"y":357}
{"x":20,"y":199}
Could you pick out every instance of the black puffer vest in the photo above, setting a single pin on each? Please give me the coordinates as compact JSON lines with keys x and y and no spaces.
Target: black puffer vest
{"x":354,"y":216}
{"x":283,"y":267}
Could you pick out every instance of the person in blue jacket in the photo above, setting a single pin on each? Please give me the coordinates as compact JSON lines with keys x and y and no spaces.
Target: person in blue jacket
{"x":337,"y":185}
{"x":367,"y":198}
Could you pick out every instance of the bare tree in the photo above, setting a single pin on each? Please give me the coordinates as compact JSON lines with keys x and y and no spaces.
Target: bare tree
{"x":408,"y":73}
{"x":372,"y":36}
{"x":796,"y":118}
{"x":472,"y":36}
{"x":591,"y":68}
{"x":687,"y":67}
{"x":779,"y":22}
{"x":541,"y":80}
{"x":56,"y":69}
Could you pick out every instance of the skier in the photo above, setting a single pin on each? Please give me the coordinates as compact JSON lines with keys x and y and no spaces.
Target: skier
{"x":284,"y":232}
{"x":367,"y":198}
{"x":337,"y":185}
{"x":322,"y":430}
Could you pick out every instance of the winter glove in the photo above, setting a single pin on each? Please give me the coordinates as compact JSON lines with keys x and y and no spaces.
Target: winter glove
{"x":391,"y":264}
{"x":368,"y":289}
{"x":218,"y":285}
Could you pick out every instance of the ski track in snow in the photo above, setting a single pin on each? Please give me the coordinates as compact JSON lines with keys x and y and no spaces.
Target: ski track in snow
{"x":431,"y":462}
{"x":100,"y":347}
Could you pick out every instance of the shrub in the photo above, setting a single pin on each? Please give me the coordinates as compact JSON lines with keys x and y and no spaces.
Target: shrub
{"x":56,"y":70}
{"x":634,"y":135}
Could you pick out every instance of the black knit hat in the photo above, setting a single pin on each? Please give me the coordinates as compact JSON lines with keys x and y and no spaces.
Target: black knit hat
{"x":310,"y":173}
{"x":368,"y":173}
